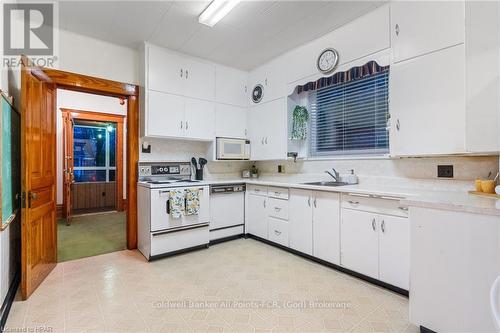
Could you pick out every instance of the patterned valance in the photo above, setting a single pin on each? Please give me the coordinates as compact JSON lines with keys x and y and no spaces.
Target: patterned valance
{"x":341,"y":77}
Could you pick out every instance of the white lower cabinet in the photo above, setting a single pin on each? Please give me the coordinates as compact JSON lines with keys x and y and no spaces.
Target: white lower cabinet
{"x":301,"y":227}
{"x":376,"y":245}
{"x":315,"y":224}
{"x":360,"y":242}
{"x":256,"y":215}
{"x":326,"y":226}
{"x":394,"y":253}
{"x":278,"y":231}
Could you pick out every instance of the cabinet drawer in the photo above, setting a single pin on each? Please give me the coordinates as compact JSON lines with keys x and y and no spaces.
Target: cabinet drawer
{"x":278,"y":231}
{"x":257,"y":190}
{"x":278,"y":208}
{"x":375,"y":204}
{"x":278,"y":192}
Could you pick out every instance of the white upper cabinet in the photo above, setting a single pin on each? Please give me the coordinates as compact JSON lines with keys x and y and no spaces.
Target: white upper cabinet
{"x":268,"y":130}
{"x":166,"y":115}
{"x":165,"y":71}
{"x":272,"y":77}
{"x":174,"y":73}
{"x":420,"y":27}
{"x":427,"y":104}
{"x":199,"y":119}
{"x":231,"y":121}
{"x":231,"y":86}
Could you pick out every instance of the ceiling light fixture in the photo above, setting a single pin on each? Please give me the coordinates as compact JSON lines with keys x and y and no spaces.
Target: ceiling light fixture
{"x":216,"y":11}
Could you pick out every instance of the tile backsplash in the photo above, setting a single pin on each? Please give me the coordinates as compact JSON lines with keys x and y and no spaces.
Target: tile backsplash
{"x":182,"y":150}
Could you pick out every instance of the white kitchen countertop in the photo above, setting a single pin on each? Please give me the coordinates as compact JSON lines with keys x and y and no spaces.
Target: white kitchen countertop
{"x":460,"y":201}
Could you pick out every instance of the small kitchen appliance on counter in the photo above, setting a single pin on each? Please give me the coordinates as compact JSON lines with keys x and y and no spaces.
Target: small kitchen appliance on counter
{"x":227,"y":211}
{"x":173,"y":211}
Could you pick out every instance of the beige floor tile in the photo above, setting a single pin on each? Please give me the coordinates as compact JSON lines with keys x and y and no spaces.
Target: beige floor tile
{"x":121,"y":292}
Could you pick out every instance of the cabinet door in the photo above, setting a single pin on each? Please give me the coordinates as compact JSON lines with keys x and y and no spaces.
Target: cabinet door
{"x":256,"y":216}
{"x":165,"y":115}
{"x":200,"y":80}
{"x":326,"y":226}
{"x":256,"y":131}
{"x":200,"y":119}
{"x":427,"y":104}
{"x":275,"y":137}
{"x":359,"y":242}
{"x":230,"y":121}
{"x":394,"y":250}
{"x":420,"y":27}
{"x":231,"y":86}
{"x":300,"y":220}
{"x":166,"y":71}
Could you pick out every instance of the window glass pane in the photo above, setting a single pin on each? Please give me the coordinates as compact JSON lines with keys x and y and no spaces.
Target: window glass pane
{"x":89,"y":146}
{"x":82,"y":176}
{"x":112,"y":144}
{"x":112,"y":175}
{"x":350,"y":118}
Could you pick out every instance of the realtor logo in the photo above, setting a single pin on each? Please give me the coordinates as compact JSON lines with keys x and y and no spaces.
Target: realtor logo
{"x":28,"y":28}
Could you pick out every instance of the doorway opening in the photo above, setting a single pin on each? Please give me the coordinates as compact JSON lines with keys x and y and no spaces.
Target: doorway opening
{"x":92,"y":221}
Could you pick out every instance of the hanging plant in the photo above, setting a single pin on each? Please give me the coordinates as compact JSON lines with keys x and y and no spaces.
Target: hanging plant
{"x":299,"y":127}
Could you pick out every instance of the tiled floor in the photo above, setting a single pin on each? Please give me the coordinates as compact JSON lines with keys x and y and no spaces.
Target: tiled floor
{"x":248,"y":286}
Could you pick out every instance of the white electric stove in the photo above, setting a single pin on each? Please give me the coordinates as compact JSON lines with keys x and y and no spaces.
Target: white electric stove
{"x":159,"y":233}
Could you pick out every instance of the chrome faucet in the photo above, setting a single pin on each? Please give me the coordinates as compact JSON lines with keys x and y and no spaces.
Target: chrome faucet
{"x":335,"y":175}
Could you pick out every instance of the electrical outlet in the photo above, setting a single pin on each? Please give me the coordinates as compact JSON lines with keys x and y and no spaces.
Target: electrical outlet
{"x":445,"y":171}
{"x":281,"y":168}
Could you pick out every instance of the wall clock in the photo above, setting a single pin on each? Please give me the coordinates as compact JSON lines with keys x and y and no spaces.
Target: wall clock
{"x":257,"y":93}
{"x":327,"y":60}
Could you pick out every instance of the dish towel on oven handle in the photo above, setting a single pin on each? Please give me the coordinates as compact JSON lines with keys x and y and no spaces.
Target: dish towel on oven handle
{"x":192,"y":201}
{"x":176,"y":203}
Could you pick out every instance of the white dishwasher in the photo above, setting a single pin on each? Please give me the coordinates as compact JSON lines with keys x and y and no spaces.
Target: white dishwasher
{"x":227,"y":211}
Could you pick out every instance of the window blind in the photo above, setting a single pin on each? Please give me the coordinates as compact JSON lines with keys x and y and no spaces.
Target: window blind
{"x":350,"y":118}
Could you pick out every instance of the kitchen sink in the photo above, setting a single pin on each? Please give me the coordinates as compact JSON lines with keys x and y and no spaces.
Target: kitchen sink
{"x":326,"y":183}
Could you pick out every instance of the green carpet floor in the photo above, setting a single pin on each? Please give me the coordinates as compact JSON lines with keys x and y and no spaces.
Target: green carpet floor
{"x":91,"y":235}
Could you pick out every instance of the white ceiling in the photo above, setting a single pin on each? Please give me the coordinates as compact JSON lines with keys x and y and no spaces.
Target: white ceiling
{"x":251,"y":34}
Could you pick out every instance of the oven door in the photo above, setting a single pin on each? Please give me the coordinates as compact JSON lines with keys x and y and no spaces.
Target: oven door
{"x":162,"y":220}
{"x":232,"y":149}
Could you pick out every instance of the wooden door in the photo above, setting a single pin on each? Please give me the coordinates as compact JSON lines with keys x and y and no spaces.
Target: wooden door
{"x":326,"y":226}
{"x":359,"y":242}
{"x":38,"y":172}
{"x":68,"y":173}
{"x":301,"y":228}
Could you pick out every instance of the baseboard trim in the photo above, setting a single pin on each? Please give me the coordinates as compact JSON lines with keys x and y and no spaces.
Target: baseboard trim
{"x":379,"y":283}
{"x":225,"y":239}
{"x":9,"y":299}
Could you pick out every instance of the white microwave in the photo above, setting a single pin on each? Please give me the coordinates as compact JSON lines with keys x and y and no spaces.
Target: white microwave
{"x":232,"y":149}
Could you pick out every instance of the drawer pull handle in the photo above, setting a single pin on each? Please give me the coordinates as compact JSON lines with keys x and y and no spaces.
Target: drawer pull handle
{"x":309,"y":201}
{"x":353,"y":202}
{"x":382,"y":226}
{"x":314,"y":202}
{"x":404,"y":209}
{"x":277,"y":209}
{"x":373,"y":225}
{"x":264,"y":203}
{"x":277,"y":232}
{"x":277,"y":194}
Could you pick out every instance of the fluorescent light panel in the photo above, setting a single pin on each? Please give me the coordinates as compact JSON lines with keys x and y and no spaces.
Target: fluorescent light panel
{"x":216,"y":11}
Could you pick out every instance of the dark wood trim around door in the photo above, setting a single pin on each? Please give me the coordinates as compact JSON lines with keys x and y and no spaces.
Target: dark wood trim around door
{"x":129,"y":92}
{"x":112,"y":118}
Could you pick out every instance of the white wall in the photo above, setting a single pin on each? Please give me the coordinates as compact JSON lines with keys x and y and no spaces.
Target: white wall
{"x":88,"y":102}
